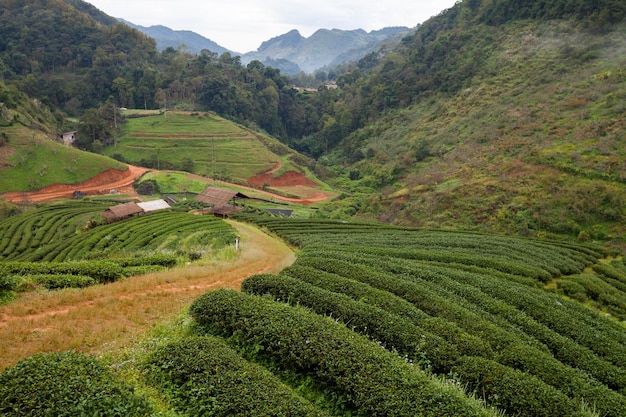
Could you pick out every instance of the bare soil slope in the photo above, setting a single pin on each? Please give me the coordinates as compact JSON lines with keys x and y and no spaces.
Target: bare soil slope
{"x":104,"y":183}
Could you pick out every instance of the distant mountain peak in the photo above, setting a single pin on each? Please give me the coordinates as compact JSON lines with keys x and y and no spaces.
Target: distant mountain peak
{"x":288,"y":40}
{"x":324,"y":47}
{"x":166,"y":37}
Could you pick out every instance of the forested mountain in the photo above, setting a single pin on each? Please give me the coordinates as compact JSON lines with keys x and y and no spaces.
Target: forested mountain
{"x":70,"y":61}
{"x":493,"y":115}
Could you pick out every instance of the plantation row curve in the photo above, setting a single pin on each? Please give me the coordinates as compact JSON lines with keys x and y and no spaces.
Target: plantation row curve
{"x":379,"y":320}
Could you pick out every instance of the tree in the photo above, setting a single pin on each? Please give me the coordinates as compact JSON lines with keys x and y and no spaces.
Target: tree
{"x":99,"y":127}
{"x":92,"y":127}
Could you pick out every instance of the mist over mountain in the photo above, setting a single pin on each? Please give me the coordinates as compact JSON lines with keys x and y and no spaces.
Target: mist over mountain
{"x":324,"y":47}
{"x":290,"y":52}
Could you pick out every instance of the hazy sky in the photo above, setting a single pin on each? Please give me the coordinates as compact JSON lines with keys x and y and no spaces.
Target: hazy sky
{"x":242,"y":25}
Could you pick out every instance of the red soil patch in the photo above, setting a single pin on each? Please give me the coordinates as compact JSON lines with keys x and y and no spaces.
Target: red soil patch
{"x":288,"y":179}
{"x":103,"y":183}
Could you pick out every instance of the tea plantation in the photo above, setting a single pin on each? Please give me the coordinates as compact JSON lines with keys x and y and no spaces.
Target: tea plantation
{"x":375,"y":320}
{"x":70,"y":245}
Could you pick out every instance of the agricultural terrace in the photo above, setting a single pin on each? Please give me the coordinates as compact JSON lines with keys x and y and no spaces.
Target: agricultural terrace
{"x":502,"y":316}
{"x":70,"y":245}
{"x":378,"y":320}
{"x":202,"y":143}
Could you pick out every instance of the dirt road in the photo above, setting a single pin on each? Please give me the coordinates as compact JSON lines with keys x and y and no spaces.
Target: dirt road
{"x":122,"y":182}
{"x":112,"y":179}
{"x":109,"y":317}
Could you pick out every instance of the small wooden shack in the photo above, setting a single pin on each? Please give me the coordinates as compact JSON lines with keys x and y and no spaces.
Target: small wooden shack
{"x":222,"y":201}
{"x":122,"y":211}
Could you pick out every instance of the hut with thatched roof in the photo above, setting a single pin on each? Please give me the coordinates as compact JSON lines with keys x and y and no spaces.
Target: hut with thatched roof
{"x":219,"y":197}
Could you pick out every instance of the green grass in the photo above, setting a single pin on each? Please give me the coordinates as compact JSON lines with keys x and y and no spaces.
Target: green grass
{"x":33,"y":161}
{"x":217,"y":147}
{"x":174,"y":182}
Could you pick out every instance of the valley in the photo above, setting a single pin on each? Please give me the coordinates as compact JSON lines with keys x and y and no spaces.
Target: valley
{"x":433,"y":226}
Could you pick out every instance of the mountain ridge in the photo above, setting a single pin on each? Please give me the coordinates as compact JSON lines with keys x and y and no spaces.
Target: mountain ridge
{"x":290,"y":52}
{"x":325,"y":46}
{"x":170,"y":38}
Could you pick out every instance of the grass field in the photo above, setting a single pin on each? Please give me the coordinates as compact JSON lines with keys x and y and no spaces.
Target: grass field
{"x":32,"y":161}
{"x":201,"y":143}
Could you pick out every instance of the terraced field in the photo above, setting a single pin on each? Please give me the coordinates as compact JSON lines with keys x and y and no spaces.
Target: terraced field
{"x":201,"y":143}
{"x":373,"y":319}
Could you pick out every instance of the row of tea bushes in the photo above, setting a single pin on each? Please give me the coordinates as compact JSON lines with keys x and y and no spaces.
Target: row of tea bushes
{"x":20,"y":276}
{"x":195,"y":376}
{"x":67,"y":384}
{"x":20,"y":235}
{"x":501,"y":389}
{"x":374,"y":380}
{"x":573,"y":382}
{"x":392,"y":332}
{"x":59,"y":233}
{"x":202,"y":376}
{"x":502,"y":291}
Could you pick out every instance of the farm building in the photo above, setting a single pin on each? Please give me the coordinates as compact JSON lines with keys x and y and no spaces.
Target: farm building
{"x":154,"y":205}
{"x":222,"y":201}
{"x":219,"y":197}
{"x":127,"y":210}
{"x":122,"y":211}
{"x":69,"y":137}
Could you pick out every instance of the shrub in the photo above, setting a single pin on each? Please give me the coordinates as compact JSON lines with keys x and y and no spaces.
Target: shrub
{"x":55,"y":282}
{"x":374,"y":380}
{"x":572,"y":289}
{"x":131,"y":271}
{"x":203,"y":376}
{"x":162,"y":259}
{"x":514,"y":391}
{"x":101,"y":271}
{"x":572,"y":382}
{"x":7,"y":282}
{"x":66,"y":384}
{"x":393,"y":332}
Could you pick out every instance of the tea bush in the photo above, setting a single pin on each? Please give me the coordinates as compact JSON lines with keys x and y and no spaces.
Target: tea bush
{"x":67,"y":384}
{"x":202,"y":376}
{"x":374,"y":380}
{"x":394,"y":333}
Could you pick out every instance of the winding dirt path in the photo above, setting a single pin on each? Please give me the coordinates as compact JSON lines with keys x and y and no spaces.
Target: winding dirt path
{"x":112,"y":179}
{"x":109,"y":317}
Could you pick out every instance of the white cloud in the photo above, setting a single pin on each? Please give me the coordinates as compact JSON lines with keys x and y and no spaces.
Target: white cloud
{"x":243,"y":25}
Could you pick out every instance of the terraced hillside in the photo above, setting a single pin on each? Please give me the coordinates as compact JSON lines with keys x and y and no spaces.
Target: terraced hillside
{"x":202,"y":143}
{"x":379,"y":320}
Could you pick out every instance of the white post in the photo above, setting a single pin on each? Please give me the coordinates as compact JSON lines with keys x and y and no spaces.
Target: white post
{"x":237,"y":244}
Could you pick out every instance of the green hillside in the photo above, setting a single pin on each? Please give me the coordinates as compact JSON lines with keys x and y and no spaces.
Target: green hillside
{"x":202,"y":143}
{"x":520,"y":130}
{"x":31,"y":155}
